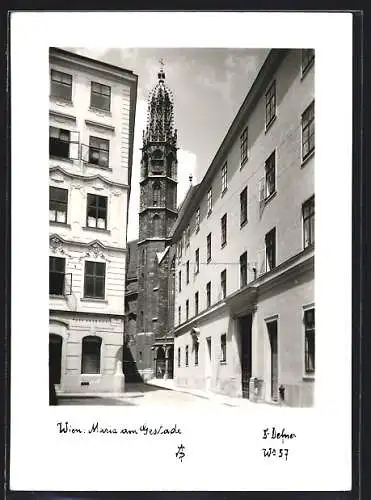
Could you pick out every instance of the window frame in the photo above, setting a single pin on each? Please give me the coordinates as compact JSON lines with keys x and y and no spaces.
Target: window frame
{"x":52,"y":271}
{"x":209,"y":201}
{"x":187,"y":272}
{"x":223,"y":230}
{"x":224,"y":175}
{"x":54,"y":82}
{"x":270,"y":95}
{"x":186,"y":355}
{"x":101,"y":94}
{"x":305,"y":131}
{"x":179,"y":281}
{"x":223,"y":348}
{"x":179,"y":315}
{"x":270,"y":174}
{"x":197,"y":303}
{"x":187,"y":309}
{"x":95,"y":276}
{"x":309,"y":364}
{"x":243,"y":207}
{"x":58,"y":202}
{"x":307,"y":220}
{"x":244,"y":146}
{"x":197,"y":223}
{"x":243,"y":269}
{"x":208,"y":248}
{"x":196,"y":351}
{"x":271,"y":247}
{"x":97,"y":209}
{"x":223,"y":283}
{"x":179,"y":357}
{"x":92,"y":148}
{"x":98,"y":342}
{"x":197,"y":261}
{"x":208,"y":294}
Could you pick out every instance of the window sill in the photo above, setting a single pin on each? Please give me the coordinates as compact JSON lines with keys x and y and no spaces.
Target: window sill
{"x":100,"y":111}
{"x":223,"y":244}
{"x":101,"y":167}
{"x":62,"y":224}
{"x":96,"y":229}
{"x":93,"y":299}
{"x":307,"y":158}
{"x":209,"y":213}
{"x":223,"y":362}
{"x":270,"y":197}
{"x":243,"y":224}
{"x":54,"y":157}
{"x":60,"y":99}
{"x":54,"y":296}
{"x":308,"y":377}
{"x":269,"y":125}
{"x":197,"y":230}
{"x":208,"y":261}
{"x":224,"y":191}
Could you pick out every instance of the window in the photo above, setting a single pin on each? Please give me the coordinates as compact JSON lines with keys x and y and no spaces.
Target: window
{"x":307,"y":58}
{"x":95,"y":273}
{"x":223,"y":348}
{"x":309,"y":341}
{"x":97,"y":211}
{"x":270,"y":104}
{"x":208,"y":294}
{"x":180,"y":248}
{"x":56,"y":275}
{"x":270,"y":175}
{"x":243,"y":207}
{"x":196,"y":347}
{"x":100,"y":96}
{"x":197,"y":261}
{"x":224,"y":177}
{"x":223,"y":224}
{"x":243,"y":269}
{"x":307,"y":131}
{"x":58,"y":200}
{"x":98,"y":151}
{"x":186,"y":236}
{"x":209,"y":201}
{"x":186,"y":355}
{"x":179,"y":315}
{"x":197,"y":220}
{"x":180,"y":281}
{"x":187,"y":272}
{"x":196,"y":303}
{"x":156,"y":193}
{"x":90,"y":355}
{"x":178,"y":357}
{"x":308,"y":222}
{"x":270,"y":249}
{"x":223,"y":283}
{"x":60,"y":85}
{"x":187,"y":310}
{"x":244,"y":146}
{"x":141,"y":320}
{"x":59,"y":142}
{"x":208,"y":245}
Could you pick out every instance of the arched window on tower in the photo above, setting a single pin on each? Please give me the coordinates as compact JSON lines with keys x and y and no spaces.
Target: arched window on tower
{"x":90,"y":355}
{"x":156,"y":225}
{"x":156,"y":201}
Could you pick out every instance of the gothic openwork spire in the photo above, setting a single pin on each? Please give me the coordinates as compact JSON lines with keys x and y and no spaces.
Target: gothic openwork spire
{"x":160,"y":115}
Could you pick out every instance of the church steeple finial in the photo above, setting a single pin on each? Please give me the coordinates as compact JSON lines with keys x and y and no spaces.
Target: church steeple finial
{"x":161,"y":73}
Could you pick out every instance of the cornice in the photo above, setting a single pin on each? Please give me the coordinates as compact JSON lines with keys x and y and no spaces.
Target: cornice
{"x":57,"y":238}
{"x":86,"y":178}
{"x":103,"y":126}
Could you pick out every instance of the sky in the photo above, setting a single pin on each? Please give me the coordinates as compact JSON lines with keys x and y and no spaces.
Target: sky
{"x":209,"y":86}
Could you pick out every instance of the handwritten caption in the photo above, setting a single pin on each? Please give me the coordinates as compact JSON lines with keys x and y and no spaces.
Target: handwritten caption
{"x":277,"y":436}
{"x":97,"y":428}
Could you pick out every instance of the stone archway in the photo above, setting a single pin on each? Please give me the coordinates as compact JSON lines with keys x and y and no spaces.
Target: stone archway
{"x":160,"y":362}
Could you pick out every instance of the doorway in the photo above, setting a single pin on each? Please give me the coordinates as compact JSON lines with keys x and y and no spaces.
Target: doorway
{"x":160,"y":363}
{"x":273,"y":344}
{"x":245,"y":324}
{"x":170,"y":362}
{"x":55,"y":358}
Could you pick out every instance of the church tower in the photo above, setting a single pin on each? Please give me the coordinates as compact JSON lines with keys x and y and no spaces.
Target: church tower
{"x":157,"y":212}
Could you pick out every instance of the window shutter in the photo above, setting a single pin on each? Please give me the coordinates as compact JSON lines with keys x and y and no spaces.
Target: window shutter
{"x":261,"y":190}
{"x":74,"y":145}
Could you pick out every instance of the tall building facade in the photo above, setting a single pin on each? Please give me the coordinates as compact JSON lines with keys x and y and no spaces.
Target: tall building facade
{"x":91,"y":117}
{"x":157,"y":215}
{"x":244,"y":267}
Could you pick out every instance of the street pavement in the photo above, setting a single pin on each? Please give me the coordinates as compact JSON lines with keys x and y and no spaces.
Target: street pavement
{"x":135,"y":395}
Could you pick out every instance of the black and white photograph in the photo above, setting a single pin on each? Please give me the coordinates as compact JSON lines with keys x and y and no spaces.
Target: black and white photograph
{"x":181,"y":306}
{"x":215,"y":295}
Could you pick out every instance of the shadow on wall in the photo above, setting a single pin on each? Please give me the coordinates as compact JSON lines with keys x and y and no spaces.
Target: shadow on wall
{"x":129,"y":366}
